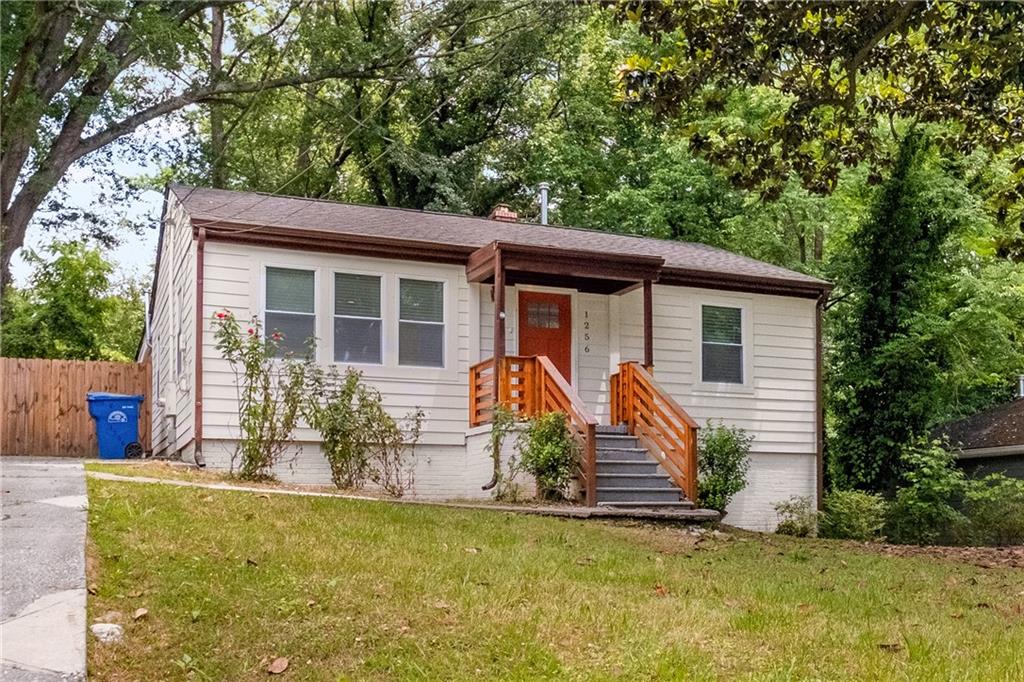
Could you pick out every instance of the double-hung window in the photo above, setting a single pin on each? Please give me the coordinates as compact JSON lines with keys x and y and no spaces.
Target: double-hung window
{"x":420,"y":323}
{"x":290,"y":308}
{"x":721,"y":344}
{"x":357,"y":318}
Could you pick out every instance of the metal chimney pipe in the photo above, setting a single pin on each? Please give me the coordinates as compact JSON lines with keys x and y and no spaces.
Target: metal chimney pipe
{"x":1020,"y":385}
{"x":544,"y":187}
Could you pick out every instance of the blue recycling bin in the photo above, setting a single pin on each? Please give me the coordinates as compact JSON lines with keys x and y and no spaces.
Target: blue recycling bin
{"x":117,"y":423}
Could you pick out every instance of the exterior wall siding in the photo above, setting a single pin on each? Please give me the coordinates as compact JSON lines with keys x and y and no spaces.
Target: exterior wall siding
{"x":172,"y":336}
{"x":777,"y":405}
{"x":234,"y":281}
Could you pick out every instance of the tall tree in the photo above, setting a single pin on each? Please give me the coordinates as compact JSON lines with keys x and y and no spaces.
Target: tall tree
{"x":80,"y":75}
{"x":884,"y":379}
{"x":73,"y":308}
{"x":421,"y":135}
{"x":837,"y":71}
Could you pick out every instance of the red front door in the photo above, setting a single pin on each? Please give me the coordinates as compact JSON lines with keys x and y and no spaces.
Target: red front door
{"x":545,"y":328}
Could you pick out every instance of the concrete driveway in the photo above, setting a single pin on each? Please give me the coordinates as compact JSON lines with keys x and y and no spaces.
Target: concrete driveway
{"x":42,"y":559}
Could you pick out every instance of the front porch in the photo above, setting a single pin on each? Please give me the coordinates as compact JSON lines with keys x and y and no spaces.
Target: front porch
{"x":642,"y":451}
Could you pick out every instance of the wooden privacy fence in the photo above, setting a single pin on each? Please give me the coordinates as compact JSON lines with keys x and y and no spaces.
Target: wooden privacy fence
{"x":43,"y":410}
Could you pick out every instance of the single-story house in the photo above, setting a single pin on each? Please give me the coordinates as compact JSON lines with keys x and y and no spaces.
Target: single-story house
{"x":991,"y":441}
{"x":638,"y":340}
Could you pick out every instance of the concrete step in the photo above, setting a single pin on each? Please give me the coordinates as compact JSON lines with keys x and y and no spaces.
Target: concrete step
{"x":680,"y":504}
{"x":617,"y":440}
{"x":631,"y":454}
{"x":656,"y":480}
{"x":628,"y":466}
{"x":638,"y":496}
{"x":617,"y":430}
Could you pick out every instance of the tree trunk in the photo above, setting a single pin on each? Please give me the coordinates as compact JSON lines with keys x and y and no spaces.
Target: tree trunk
{"x":218,"y":141}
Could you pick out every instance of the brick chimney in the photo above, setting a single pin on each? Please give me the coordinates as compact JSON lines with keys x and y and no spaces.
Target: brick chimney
{"x":504,"y":214}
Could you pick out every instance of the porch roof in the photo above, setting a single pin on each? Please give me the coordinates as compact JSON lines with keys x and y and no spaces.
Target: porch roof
{"x":292,"y":222}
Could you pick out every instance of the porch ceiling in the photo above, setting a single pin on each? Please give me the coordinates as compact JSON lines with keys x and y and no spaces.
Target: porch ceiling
{"x":587,"y":271}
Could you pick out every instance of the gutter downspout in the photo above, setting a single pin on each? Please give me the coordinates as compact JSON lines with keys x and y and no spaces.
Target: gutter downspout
{"x":819,"y":400}
{"x":197,"y":426}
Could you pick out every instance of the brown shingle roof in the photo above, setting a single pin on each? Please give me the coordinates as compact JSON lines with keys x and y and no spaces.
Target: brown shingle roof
{"x":998,"y":427}
{"x":210,"y":206}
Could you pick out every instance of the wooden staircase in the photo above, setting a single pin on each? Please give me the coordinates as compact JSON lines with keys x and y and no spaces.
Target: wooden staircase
{"x":646,"y":460}
{"x":628,"y":476}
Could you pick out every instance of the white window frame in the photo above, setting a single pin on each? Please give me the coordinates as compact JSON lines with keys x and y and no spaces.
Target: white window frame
{"x":318,"y":345}
{"x":745,"y":306}
{"x":385,"y":328}
{"x":445,"y":329}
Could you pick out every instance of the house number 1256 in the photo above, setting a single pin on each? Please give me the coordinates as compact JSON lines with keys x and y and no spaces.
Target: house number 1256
{"x":586,"y":331}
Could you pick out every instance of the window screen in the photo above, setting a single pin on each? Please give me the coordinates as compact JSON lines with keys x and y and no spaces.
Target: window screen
{"x":357,"y":318}
{"x":722,"y":344}
{"x":289,"y":307}
{"x":420,"y":323}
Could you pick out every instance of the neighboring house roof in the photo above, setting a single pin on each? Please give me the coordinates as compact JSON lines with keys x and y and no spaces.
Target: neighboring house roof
{"x":242,"y":212}
{"x":996,"y":431}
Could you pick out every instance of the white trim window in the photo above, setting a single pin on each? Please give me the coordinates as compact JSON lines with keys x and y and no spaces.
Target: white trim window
{"x":357,"y":319}
{"x":722,"y":355}
{"x":290,"y":307}
{"x":421,"y":321}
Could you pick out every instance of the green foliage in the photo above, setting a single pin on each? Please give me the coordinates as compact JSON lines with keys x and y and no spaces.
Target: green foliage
{"x":884,"y":384}
{"x":924,"y":511}
{"x":994,"y":506}
{"x":550,"y":453}
{"x":359,"y":439}
{"x":270,"y":394}
{"x":723,"y":459}
{"x":73,"y":309}
{"x":833,"y":70}
{"x":797,"y":516}
{"x":853,"y":515}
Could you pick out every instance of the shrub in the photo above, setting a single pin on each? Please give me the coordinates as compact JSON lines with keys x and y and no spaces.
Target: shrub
{"x":853,"y":515}
{"x":797,"y":517}
{"x":360,"y":440}
{"x":270,"y":393}
{"x":723,"y":459}
{"x":994,"y":507}
{"x":925,"y":509}
{"x":549,"y":452}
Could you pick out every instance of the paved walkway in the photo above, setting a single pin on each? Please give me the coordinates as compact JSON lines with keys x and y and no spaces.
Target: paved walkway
{"x":42,"y":569}
{"x":566,"y":511}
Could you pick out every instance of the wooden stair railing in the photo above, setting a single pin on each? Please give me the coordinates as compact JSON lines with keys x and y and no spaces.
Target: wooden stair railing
{"x":653,"y":416}
{"x":532,"y":385}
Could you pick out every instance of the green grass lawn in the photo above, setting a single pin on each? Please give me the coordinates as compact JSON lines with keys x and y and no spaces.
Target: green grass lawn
{"x":362,"y":590}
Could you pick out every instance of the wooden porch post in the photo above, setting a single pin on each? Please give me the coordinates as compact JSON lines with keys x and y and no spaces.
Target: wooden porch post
{"x":499,"y":325}
{"x":648,"y":324}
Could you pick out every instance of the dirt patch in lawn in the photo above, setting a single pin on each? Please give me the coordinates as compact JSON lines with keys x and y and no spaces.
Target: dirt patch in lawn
{"x":983,"y":557}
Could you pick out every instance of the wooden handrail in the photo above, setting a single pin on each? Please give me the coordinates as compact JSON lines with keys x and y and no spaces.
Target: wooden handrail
{"x":481,"y":392}
{"x":653,"y":416}
{"x":529,"y":386}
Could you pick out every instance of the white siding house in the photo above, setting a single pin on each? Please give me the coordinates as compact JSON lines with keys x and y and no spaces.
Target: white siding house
{"x":409,"y":299}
